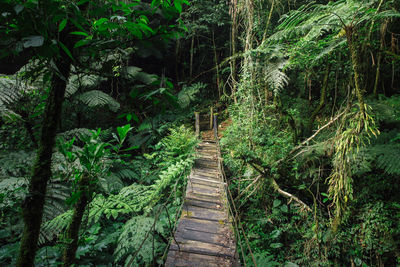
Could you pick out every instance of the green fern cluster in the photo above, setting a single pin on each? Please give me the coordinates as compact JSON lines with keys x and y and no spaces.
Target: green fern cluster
{"x":171,"y":160}
{"x":138,"y":236}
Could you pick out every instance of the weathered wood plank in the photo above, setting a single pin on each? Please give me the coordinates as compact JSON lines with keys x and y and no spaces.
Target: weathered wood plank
{"x":198,"y":247}
{"x":223,"y":239}
{"x":203,"y":189}
{"x":202,"y":197}
{"x":203,"y":204}
{"x":209,"y":182}
{"x":214,"y":227}
{"x":204,"y":214}
{"x":178,"y":259}
{"x":201,"y":176}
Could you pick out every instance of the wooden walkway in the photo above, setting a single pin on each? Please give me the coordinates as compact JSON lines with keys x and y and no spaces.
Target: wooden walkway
{"x":204,"y":236}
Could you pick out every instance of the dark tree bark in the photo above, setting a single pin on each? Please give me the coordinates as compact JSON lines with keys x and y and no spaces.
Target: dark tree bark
{"x":32,"y":207}
{"x":73,"y":229}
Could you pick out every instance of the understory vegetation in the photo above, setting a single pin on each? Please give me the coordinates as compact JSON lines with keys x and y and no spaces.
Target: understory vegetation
{"x":96,"y":118}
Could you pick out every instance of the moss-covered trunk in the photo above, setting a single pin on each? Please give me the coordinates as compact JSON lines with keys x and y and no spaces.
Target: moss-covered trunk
{"x":73,"y":229}
{"x":32,"y":207}
{"x":322,"y":101}
{"x":355,"y":60}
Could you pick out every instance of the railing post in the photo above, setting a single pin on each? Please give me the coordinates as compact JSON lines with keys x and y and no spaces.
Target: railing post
{"x":211,"y":117}
{"x":215,"y":126}
{"x":197,"y":124}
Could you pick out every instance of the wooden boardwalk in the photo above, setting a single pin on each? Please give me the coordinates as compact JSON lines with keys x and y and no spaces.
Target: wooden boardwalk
{"x":204,"y":236}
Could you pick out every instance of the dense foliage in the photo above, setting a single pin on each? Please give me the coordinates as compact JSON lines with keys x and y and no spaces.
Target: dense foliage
{"x":95,"y":102}
{"x":314,"y":138}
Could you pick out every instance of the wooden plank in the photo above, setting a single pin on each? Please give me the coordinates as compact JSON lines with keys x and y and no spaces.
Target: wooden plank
{"x":203,"y":189}
{"x":178,"y":259}
{"x":206,"y":172}
{"x":206,"y":165}
{"x":203,"y":204}
{"x":198,"y":247}
{"x":224,"y":240}
{"x":204,"y":214}
{"x":202,"y":197}
{"x":214,"y":177}
{"x":206,"y":161}
{"x":213,"y":227}
{"x":209,"y":182}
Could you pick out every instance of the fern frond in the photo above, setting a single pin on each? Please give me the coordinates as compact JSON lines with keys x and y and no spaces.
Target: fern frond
{"x":9,"y":90}
{"x":77,"y":133}
{"x":275,"y":77}
{"x":387,"y":157}
{"x":53,"y":228}
{"x":82,"y":81}
{"x":96,"y":98}
{"x":137,"y":235}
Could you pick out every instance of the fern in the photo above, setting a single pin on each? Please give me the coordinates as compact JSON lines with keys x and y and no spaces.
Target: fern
{"x":77,"y":132}
{"x":16,"y":164}
{"x":85,"y":81}
{"x":137,"y":236}
{"x":188,"y":94}
{"x":13,"y":192}
{"x":387,"y":158}
{"x":53,"y":228}
{"x":10,"y":92}
{"x":96,"y":98}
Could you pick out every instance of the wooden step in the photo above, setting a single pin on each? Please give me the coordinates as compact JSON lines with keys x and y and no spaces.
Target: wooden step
{"x":202,"y":248}
{"x":213,"y":227}
{"x":204,"y":204}
{"x":204,"y":214}
{"x":180,"y":259}
{"x":217,"y":239}
{"x":203,"y":189}
{"x":204,"y":197}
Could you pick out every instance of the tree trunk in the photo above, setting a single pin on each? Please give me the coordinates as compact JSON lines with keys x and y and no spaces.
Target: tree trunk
{"x":191,"y":58}
{"x":216,"y":65}
{"x":268,"y":21}
{"x":322,"y":100}
{"x":378,"y":67}
{"x":356,"y":66}
{"x":73,"y":229}
{"x":32,"y":207}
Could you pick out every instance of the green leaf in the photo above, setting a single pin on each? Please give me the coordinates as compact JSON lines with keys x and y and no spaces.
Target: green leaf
{"x":66,"y":50}
{"x":80,"y":33}
{"x":284,"y":208}
{"x":100,"y":22}
{"x":129,"y":117}
{"x":276,"y":245}
{"x":130,"y":148}
{"x":276,"y":203}
{"x":62,"y":25}
{"x":82,"y":2}
{"x":178,"y":5}
{"x":81,"y":43}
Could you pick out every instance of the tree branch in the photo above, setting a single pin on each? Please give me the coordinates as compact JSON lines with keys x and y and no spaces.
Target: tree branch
{"x":288,"y":195}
